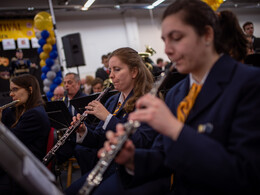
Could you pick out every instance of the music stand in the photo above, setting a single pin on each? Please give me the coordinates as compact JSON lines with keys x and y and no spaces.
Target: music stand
{"x":24,"y":167}
{"x":58,"y":114}
{"x":80,"y":103}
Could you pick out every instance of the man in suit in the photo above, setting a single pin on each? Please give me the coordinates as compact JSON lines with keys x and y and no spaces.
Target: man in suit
{"x":72,"y":90}
{"x":248,"y":28}
{"x":103,"y":72}
{"x":72,"y":87}
{"x":209,"y":126}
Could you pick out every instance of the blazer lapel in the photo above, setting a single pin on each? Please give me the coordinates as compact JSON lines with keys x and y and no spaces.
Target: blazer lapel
{"x":122,"y":106}
{"x":180,"y":94}
{"x":215,"y":83}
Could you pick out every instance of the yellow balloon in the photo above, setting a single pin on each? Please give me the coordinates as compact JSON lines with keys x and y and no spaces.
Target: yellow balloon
{"x":214,"y":4}
{"x":51,"y":40}
{"x":47,"y":48}
{"x":52,"y":34}
{"x":42,"y":63}
{"x":43,"y":21}
{"x":44,"y":55}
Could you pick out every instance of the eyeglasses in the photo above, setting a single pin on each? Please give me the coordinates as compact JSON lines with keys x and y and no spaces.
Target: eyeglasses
{"x":14,"y":90}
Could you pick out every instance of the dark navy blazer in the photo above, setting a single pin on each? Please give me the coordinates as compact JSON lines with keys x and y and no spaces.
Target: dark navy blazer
{"x":95,"y":138}
{"x":33,"y":130}
{"x":225,"y":159}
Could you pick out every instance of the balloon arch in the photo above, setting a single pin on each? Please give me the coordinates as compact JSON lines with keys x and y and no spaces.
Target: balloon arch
{"x":51,"y":68}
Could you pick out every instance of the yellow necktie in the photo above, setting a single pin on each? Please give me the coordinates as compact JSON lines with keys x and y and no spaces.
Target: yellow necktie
{"x":117,"y":108}
{"x":187,"y":103}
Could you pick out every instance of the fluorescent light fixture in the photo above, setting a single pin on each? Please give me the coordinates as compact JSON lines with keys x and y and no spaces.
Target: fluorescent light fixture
{"x":87,"y":4}
{"x":156,"y":3}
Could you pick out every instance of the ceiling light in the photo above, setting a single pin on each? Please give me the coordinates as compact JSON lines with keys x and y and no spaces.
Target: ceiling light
{"x":87,"y":4}
{"x":156,"y":3}
{"x":117,"y":6}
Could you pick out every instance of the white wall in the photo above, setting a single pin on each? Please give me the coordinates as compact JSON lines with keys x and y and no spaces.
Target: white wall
{"x":104,"y":33}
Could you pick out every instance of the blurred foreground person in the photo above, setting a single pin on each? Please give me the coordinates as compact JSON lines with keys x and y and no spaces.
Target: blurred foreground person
{"x":209,"y":126}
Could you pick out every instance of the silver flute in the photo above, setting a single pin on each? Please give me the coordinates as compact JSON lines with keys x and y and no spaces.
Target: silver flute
{"x":96,"y":175}
{"x":9,"y":104}
{"x":50,"y":155}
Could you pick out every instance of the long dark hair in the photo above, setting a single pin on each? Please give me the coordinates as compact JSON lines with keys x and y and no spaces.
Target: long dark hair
{"x":144,"y":79}
{"x":26,"y":81}
{"x":232,"y":36}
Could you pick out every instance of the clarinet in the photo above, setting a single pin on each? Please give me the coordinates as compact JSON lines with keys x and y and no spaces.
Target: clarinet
{"x":50,"y":155}
{"x":96,"y":175}
{"x":9,"y":104}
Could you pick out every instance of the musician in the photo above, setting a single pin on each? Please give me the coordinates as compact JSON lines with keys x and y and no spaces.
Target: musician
{"x":31,"y":124}
{"x":20,"y":65}
{"x":132,"y":79}
{"x":72,"y":87}
{"x":211,"y":147}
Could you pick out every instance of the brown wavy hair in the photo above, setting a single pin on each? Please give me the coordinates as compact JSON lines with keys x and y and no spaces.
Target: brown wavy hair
{"x":35,"y":99}
{"x":144,"y":79}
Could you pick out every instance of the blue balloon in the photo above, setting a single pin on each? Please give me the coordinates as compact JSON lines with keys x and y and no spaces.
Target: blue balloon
{"x":53,"y":86}
{"x":42,"y":42}
{"x":49,"y":95}
{"x":45,"y":69}
{"x":58,"y":74}
{"x":57,"y":80}
{"x":54,"y":47}
{"x":39,"y":50}
{"x":53,"y":54}
{"x":43,"y":76}
{"x":45,"y":34}
{"x":49,"y":62}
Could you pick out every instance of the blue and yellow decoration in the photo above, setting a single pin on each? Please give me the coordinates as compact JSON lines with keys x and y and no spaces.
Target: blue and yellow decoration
{"x":51,"y":69}
{"x":214,"y":4}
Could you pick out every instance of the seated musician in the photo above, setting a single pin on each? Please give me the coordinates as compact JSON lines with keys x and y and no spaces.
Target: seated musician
{"x":31,"y":124}
{"x":210,"y":142}
{"x":132,"y":79}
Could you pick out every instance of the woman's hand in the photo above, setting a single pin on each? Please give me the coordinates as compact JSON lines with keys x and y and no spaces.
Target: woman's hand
{"x":82,"y":128}
{"x":155,"y":112}
{"x":97,"y":109}
{"x":126,"y":155}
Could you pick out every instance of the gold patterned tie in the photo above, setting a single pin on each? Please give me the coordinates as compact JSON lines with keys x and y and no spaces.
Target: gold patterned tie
{"x":187,"y":103}
{"x":117,"y":108}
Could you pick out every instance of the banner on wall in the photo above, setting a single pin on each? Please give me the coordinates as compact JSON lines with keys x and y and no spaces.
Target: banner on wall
{"x":23,"y":43}
{"x":8,"y":44}
{"x":35,"y":43}
{"x":14,"y":29}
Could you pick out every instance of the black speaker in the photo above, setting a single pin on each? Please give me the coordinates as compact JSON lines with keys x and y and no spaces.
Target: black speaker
{"x":73,"y":50}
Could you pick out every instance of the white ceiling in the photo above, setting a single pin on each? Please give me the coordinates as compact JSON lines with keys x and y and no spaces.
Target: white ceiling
{"x":28,"y":8}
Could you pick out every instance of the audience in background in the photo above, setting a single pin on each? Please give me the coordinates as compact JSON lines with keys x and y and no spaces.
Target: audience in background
{"x":87,"y":86}
{"x":97,"y":85}
{"x":248,"y":28}
{"x":58,"y":93}
{"x":103,"y":72}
